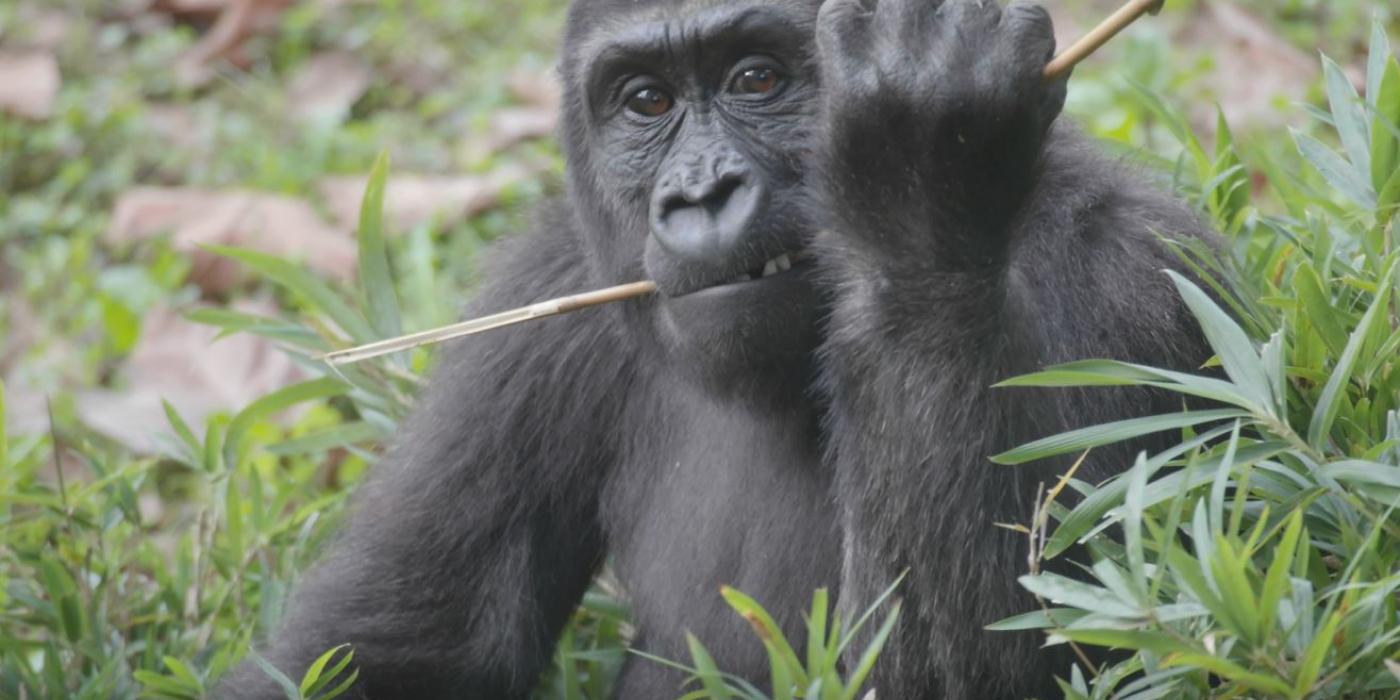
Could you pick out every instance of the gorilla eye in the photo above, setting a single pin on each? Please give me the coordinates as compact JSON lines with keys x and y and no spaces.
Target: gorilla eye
{"x":649,"y":102}
{"x":756,"y":81}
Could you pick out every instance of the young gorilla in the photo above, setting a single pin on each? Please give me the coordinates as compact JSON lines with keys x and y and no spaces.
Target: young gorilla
{"x":794,"y":409}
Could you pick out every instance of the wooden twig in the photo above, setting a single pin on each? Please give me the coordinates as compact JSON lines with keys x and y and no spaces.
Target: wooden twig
{"x":1054,"y":70}
{"x":551,"y":307}
{"x":1100,"y":35}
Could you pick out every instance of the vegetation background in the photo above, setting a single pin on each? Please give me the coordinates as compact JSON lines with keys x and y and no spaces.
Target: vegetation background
{"x":181,"y":190}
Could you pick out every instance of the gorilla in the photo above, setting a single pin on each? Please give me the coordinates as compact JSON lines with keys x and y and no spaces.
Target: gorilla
{"x":861,"y":215}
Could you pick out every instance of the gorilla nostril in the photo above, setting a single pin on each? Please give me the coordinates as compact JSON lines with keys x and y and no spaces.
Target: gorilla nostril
{"x":710,"y":194}
{"x":706,"y":223}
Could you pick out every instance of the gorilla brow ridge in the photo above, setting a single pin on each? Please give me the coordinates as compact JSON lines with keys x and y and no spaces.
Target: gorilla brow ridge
{"x":651,"y":38}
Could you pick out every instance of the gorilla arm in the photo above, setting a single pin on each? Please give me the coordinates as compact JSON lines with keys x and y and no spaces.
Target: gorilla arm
{"x":474,"y":539}
{"x":970,"y":242}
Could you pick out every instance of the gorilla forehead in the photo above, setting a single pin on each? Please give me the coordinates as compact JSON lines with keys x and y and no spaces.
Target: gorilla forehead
{"x":592,"y":19}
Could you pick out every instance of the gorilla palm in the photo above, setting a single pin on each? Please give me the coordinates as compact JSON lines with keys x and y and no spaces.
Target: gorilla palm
{"x":794,"y":409}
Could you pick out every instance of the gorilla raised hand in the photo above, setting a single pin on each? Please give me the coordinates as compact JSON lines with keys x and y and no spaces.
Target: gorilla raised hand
{"x":794,"y":409}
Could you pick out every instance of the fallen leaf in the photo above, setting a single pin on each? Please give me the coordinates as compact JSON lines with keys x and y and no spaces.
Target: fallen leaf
{"x":509,"y":127}
{"x":536,"y":88}
{"x":410,"y":200}
{"x":270,"y":223}
{"x":189,"y":7}
{"x":327,"y":86}
{"x":184,"y":362}
{"x":1255,"y":69}
{"x":238,"y":20}
{"x":45,"y":29}
{"x":29,"y":84}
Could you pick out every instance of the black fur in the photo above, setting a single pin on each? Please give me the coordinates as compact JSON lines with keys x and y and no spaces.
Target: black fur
{"x":825,"y":427}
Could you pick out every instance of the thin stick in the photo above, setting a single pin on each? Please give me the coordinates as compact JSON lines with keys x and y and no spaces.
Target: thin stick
{"x":1100,"y":35}
{"x":1057,"y":68}
{"x":551,"y":307}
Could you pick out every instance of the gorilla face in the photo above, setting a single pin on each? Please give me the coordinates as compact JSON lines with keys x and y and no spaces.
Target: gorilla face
{"x":687,"y":129}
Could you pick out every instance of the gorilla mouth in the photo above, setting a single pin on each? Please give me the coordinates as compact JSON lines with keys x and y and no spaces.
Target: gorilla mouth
{"x":773,"y":267}
{"x":782,"y":263}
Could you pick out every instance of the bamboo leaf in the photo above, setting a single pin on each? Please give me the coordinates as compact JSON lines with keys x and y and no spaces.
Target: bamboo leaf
{"x":1037,"y":619}
{"x":1236,"y":352}
{"x":1310,"y":291}
{"x":4,"y":438}
{"x":1337,"y":171}
{"x":1385,"y":147}
{"x":288,"y":687}
{"x":706,"y":671}
{"x":816,"y":632}
{"x":1377,"y":59}
{"x":871,"y":653}
{"x":272,"y":404}
{"x":1231,"y":671}
{"x":1276,"y":578}
{"x":1329,"y":403}
{"x":1108,"y":433}
{"x":1310,"y":667}
{"x":311,"y":681}
{"x":340,"y":436}
{"x":766,"y":628}
{"x":376,"y":282}
{"x":1115,"y":373}
{"x":307,"y":285}
{"x":1348,"y":116}
{"x":1067,"y":591}
{"x":1124,"y":639}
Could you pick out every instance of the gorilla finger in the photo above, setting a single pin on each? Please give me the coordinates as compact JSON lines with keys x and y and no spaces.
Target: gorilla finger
{"x":1031,"y":27}
{"x":843,"y":27}
{"x":1052,"y":101}
{"x":967,"y":15}
{"x":907,"y":15}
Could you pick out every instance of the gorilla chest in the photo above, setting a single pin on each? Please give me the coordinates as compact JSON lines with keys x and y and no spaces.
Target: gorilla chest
{"x":723,"y":496}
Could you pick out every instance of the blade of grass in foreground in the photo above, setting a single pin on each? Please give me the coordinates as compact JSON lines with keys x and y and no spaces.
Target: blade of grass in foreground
{"x":1109,"y":433}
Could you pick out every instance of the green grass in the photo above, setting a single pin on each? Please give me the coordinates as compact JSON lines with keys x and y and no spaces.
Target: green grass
{"x":1257,"y":559}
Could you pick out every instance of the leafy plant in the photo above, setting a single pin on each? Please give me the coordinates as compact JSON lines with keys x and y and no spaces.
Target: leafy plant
{"x":815,"y":676}
{"x":1259,"y":557}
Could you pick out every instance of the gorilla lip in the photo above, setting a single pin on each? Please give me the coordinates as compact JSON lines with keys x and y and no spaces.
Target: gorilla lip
{"x":772,"y":267}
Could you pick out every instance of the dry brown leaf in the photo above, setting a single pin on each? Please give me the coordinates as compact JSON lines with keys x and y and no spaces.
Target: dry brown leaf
{"x":1255,"y":68}
{"x":271,"y":223}
{"x":509,"y":127}
{"x":29,"y":83}
{"x":189,"y":7}
{"x":46,"y":29}
{"x":327,"y":86}
{"x":238,"y":20}
{"x":410,"y":200}
{"x":536,"y":88}
{"x":182,"y":362}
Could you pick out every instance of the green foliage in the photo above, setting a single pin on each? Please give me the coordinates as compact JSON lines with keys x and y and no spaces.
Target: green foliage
{"x":815,"y":676}
{"x":1259,"y":557}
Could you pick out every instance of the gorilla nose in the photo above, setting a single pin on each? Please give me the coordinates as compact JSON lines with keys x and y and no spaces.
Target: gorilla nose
{"x":704,"y":220}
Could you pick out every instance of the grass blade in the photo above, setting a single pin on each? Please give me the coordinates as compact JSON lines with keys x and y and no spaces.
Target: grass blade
{"x":376,"y":281}
{"x":1109,"y":433}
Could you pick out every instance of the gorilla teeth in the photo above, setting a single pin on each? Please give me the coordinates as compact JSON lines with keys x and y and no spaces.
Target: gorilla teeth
{"x":782,"y":263}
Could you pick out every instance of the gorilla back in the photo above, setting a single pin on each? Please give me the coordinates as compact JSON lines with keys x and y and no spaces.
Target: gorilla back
{"x":794,"y":409}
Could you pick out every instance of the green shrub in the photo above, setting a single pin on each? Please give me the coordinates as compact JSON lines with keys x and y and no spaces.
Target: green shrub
{"x":1259,"y":557}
